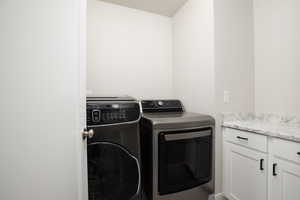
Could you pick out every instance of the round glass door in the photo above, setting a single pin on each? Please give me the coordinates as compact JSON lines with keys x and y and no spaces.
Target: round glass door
{"x":113,"y":173}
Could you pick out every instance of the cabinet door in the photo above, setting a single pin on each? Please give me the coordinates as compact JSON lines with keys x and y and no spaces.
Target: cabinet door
{"x":246,"y":173}
{"x":284,"y":180}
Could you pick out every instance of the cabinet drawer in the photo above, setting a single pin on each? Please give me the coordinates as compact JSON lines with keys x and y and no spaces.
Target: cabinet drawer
{"x":287,"y":150}
{"x":247,"y":139}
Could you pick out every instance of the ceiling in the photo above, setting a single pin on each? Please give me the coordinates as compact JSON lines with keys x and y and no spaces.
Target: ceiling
{"x":161,"y":7}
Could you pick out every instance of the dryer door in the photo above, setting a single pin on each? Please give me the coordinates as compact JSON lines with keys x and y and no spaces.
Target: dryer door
{"x":185,"y":160}
{"x":113,"y":173}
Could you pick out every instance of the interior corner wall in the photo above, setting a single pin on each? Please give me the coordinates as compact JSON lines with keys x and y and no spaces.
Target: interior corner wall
{"x":277,"y":58}
{"x":234,"y":61}
{"x":129,"y":52}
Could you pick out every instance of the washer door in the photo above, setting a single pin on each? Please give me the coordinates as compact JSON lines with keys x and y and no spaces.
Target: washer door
{"x":113,"y":173}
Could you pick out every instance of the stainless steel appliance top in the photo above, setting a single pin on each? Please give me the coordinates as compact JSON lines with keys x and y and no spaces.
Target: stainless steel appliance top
{"x":163,"y":113}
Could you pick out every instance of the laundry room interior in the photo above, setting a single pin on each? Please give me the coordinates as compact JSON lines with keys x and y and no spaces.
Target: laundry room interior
{"x":192,"y":50}
{"x":213,"y":56}
{"x":150,"y":100}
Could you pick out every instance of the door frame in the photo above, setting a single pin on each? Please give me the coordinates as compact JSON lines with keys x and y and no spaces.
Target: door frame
{"x":81,"y":144}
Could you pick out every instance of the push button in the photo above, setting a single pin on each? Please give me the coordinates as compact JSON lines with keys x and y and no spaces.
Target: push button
{"x":96,"y":115}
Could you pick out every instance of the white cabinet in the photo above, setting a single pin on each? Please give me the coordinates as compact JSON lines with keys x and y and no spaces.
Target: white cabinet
{"x":284,"y":170}
{"x":285,"y":185}
{"x":245,"y":171}
{"x":258,"y":167}
{"x":245,"y":167}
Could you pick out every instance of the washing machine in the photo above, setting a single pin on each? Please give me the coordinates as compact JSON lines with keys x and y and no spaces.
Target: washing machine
{"x":113,"y":153}
{"x":177,"y":152}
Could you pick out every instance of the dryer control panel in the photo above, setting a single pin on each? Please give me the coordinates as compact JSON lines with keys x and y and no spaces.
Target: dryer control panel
{"x":111,"y":112}
{"x":154,"y":106}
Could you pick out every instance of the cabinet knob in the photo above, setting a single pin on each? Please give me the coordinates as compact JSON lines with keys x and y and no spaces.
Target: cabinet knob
{"x":298,"y":153}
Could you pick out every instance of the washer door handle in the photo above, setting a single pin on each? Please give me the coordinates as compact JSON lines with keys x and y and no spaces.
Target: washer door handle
{"x":140,"y":174}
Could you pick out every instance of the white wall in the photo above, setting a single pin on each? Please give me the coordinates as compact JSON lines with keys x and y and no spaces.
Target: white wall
{"x":277,"y":57}
{"x":39,"y":86}
{"x":193,"y":56}
{"x":234,"y":55}
{"x":129,"y":52}
{"x":193,"y":60}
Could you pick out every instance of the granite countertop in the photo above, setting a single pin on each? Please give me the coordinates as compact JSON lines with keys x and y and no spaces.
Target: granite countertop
{"x":284,"y":127}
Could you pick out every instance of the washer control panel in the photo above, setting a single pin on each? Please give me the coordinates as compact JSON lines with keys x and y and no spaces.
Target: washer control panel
{"x":112,"y":113}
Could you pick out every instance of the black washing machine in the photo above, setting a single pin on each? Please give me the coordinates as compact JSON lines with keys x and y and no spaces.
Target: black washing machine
{"x":114,"y":171}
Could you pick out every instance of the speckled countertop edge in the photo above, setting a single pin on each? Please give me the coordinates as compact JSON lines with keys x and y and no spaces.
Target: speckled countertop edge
{"x":283,"y":127}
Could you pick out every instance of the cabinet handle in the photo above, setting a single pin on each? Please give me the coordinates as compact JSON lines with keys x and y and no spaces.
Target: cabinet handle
{"x":262,"y":164}
{"x":274,"y":169}
{"x":242,"y":138}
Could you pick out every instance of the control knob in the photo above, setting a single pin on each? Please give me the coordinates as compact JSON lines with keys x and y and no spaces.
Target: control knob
{"x":160,"y":103}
